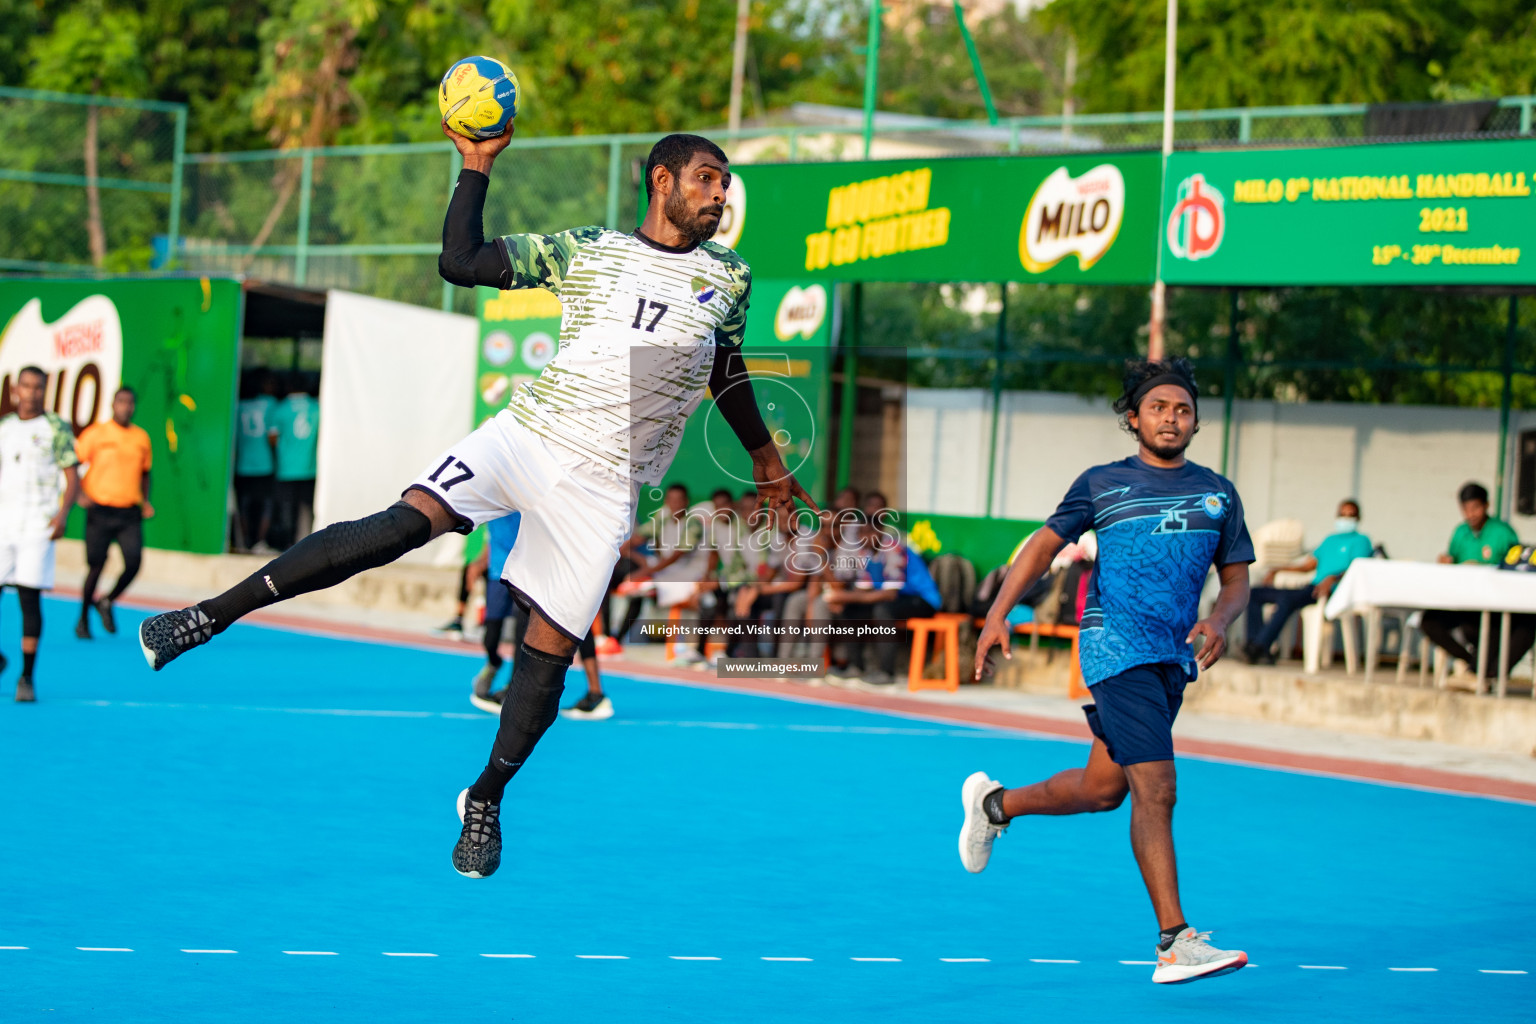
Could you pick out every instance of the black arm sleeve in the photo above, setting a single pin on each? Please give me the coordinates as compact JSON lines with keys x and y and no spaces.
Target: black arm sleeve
{"x":731,"y":385}
{"x":467,"y":259}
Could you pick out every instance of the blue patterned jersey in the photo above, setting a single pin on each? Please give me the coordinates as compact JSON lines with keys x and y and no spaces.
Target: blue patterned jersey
{"x":1159,"y":533}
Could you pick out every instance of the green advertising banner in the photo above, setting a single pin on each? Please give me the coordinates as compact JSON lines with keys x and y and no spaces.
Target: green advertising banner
{"x":1061,"y":218}
{"x":789,"y":327}
{"x":175,"y":342}
{"x":1421,"y":213}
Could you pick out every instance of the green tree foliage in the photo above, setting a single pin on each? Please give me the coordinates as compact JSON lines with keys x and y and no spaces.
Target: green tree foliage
{"x":1232,"y":53}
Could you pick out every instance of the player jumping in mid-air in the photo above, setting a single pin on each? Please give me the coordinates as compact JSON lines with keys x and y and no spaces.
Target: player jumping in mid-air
{"x":650,"y":319}
{"x":1161,"y":523}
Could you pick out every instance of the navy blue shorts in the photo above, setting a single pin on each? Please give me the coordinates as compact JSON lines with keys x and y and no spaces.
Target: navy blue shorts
{"x":498,"y":600}
{"x":1133,"y":712}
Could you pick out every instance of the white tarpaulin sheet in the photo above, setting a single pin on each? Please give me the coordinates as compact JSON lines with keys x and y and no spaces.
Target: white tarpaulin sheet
{"x":396,"y":390}
{"x":1379,"y":583}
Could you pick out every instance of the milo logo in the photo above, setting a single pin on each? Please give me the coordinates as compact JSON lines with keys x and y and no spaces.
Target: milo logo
{"x":1070,"y":216}
{"x":82,"y":353}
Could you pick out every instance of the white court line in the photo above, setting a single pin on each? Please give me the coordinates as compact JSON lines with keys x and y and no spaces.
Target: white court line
{"x":964,"y":960}
{"x":1321,"y":967}
{"x":693,"y":958}
{"x":1037,"y":960}
{"x":1140,"y":963}
{"x":1482,"y":970}
{"x":1417,"y":969}
{"x":309,"y":952}
{"x":599,"y":956}
{"x":509,"y":956}
{"x":103,"y":949}
{"x":210,"y":951}
{"x":410,"y":954}
{"x":876,"y":959}
{"x":13,"y":947}
{"x":787,"y":959}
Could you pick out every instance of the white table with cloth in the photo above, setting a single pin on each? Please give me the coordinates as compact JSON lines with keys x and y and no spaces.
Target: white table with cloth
{"x":1371,"y":584}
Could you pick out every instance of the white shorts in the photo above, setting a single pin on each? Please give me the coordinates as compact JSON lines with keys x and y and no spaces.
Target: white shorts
{"x":26,"y":562}
{"x":575,"y":515}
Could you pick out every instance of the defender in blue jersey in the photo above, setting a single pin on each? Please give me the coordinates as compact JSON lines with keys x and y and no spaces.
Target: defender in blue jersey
{"x":1162,"y":522}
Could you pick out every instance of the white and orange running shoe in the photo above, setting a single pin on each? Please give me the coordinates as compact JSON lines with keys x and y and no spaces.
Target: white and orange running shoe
{"x":1191,"y":958}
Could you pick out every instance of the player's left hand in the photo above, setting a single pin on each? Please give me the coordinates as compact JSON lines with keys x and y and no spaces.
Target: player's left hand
{"x":777,"y":487}
{"x":1215,"y":642}
{"x":59,"y":522}
{"x":149,"y":510}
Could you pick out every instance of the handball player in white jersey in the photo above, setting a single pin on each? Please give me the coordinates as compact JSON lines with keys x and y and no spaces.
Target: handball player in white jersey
{"x":651,"y":318}
{"x":39,"y":482}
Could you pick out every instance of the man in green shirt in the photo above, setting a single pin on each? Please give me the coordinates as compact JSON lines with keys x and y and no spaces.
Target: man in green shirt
{"x":1479,"y":539}
{"x":296,"y":419}
{"x":1327,"y":564}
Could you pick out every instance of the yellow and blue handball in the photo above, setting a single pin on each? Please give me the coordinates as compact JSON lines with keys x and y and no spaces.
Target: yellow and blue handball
{"x":478,"y":98}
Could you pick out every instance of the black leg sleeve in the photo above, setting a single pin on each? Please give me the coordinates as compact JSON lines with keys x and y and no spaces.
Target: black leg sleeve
{"x":131,"y":543}
{"x":31,"y":601}
{"x":323,"y":559}
{"x":528,"y":710}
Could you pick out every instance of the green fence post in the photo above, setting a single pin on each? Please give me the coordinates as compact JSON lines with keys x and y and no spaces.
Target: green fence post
{"x":981,"y":76}
{"x":615,"y":156}
{"x":1506,"y":401}
{"x":1000,"y":347}
{"x":306,"y":186}
{"x":871,"y":75}
{"x":1229,"y":385}
{"x":850,"y":387}
{"x":178,"y":157}
{"x":794,"y":145}
{"x":455,"y":164}
{"x":1525,"y":116}
{"x":1245,"y":127}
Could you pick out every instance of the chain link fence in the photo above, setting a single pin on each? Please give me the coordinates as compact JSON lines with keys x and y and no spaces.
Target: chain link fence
{"x":87,"y":183}
{"x":369,"y":218}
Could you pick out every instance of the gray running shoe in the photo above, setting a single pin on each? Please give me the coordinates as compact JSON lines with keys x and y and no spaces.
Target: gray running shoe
{"x":478,"y":851}
{"x":590,"y":708}
{"x":977,"y":831}
{"x":24,"y":692}
{"x":1191,"y":958}
{"x":166,"y":637}
{"x":483,"y":680}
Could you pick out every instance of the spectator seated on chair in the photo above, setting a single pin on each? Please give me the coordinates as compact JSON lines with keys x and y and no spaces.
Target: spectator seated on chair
{"x":1327,"y":564}
{"x":892,"y":586}
{"x":1479,"y":539}
{"x":680,"y":565}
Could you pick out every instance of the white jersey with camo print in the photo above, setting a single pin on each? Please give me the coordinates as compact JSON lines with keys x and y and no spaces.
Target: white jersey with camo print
{"x":638,"y":336}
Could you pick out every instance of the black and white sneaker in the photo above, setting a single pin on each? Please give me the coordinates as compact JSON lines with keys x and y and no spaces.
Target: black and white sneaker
{"x":490,"y":703}
{"x":108,"y":620}
{"x":166,"y":637}
{"x":477,"y":854}
{"x":593,"y":708}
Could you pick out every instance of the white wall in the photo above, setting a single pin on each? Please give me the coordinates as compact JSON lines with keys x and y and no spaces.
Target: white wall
{"x":395,"y":392}
{"x":1404,"y":464}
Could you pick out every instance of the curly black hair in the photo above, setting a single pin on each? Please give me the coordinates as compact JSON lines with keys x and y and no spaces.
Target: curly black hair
{"x":1139,"y":371}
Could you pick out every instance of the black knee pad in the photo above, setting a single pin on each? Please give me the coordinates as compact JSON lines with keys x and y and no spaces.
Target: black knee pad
{"x":31,"y":611}
{"x":380,"y":538}
{"x":531,"y":705}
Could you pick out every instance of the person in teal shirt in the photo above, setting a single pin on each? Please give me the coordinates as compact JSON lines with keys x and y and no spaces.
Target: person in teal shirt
{"x":1479,"y":539}
{"x":1326,"y":563}
{"x":254,"y":462}
{"x":297,"y":422}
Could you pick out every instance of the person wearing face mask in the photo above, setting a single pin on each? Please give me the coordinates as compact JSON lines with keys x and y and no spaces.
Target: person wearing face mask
{"x":1327,"y":563}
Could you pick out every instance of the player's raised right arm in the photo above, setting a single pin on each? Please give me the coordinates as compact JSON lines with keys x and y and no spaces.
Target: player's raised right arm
{"x":467,"y":259}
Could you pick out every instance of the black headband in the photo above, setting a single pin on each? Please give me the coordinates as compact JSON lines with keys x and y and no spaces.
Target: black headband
{"x":1176,"y":379}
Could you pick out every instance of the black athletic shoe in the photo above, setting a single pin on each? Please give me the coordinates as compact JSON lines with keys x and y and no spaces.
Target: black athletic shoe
{"x":104,"y":609}
{"x":477,"y":854}
{"x":490,"y":703}
{"x":24,"y":691}
{"x":594,"y":708}
{"x":484,"y":680}
{"x":83,"y":628}
{"x":165,"y":637}
{"x":4,"y":661}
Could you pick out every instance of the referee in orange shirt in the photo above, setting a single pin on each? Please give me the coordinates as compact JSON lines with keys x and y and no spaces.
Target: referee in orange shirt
{"x":115,"y":494}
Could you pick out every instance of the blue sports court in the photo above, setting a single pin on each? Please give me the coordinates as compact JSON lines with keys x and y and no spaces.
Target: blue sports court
{"x":262,"y":832}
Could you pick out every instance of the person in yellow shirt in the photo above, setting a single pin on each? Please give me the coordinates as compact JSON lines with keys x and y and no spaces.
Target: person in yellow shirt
{"x":115,"y":494}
